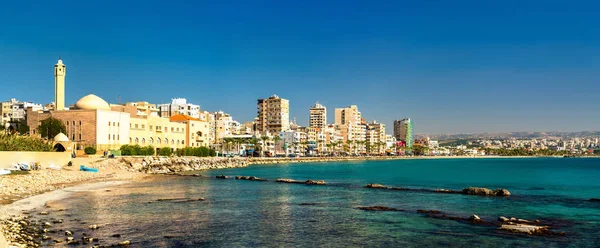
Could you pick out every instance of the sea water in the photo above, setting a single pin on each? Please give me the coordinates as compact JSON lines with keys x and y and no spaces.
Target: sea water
{"x":240,"y":213}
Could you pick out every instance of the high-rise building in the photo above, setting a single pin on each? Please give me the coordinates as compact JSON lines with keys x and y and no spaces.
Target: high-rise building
{"x":318,"y":116}
{"x":60,"y":71}
{"x":273,"y":115}
{"x":403,"y":131}
{"x":376,"y":137}
{"x":179,"y":106}
{"x":349,"y":122}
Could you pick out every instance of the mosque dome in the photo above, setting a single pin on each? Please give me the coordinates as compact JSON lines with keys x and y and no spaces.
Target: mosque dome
{"x":92,"y":102}
{"x":61,"y":137}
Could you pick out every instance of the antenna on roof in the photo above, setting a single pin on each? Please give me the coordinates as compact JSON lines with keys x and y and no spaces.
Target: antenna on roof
{"x":119,"y":99}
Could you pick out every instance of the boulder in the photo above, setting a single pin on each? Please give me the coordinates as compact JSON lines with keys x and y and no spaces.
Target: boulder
{"x":503,"y":219}
{"x":594,"y":199}
{"x":478,"y":191}
{"x":376,"y":186}
{"x":315,"y":182}
{"x":525,"y":229}
{"x":475,"y":218}
{"x":222,"y":177}
{"x":502,"y":192}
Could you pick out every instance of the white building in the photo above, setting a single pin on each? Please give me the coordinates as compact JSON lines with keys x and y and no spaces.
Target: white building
{"x":13,"y":110}
{"x":179,"y":106}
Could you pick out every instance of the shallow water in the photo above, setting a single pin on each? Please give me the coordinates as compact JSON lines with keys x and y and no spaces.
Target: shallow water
{"x":238,"y":213}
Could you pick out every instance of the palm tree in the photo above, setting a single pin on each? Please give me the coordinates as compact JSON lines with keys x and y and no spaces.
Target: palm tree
{"x":265,"y":140}
{"x":276,"y":139}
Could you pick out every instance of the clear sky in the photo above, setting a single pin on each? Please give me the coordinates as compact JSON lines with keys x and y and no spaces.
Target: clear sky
{"x":451,"y":66}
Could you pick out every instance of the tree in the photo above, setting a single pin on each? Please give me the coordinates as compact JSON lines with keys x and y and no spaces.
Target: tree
{"x":276,"y":139}
{"x":90,"y":150}
{"x":51,"y":127}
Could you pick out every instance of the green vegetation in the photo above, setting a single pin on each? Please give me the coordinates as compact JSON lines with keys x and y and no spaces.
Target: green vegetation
{"x":597,"y":151}
{"x":420,"y":150}
{"x":196,"y":151}
{"x":136,"y":150}
{"x":524,"y":152}
{"x":14,"y":142}
{"x":51,"y":127}
{"x":165,"y":151}
{"x":90,"y":150}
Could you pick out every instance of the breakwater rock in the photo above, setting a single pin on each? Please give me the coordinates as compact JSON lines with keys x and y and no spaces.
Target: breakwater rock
{"x":309,"y":182}
{"x":267,"y":160}
{"x":163,"y":165}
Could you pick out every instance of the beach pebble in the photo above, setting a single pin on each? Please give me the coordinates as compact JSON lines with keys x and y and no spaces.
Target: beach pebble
{"x":93,"y":227}
{"x":43,"y":213}
{"x":125,"y":243}
{"x":68,"y":233}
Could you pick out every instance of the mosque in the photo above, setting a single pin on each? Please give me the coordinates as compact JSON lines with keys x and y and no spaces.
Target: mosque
{"x":91,"y":121}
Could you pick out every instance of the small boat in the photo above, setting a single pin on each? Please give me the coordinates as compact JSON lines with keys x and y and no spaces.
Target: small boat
{"x":83,"y":168}
{"x":4,"y":172}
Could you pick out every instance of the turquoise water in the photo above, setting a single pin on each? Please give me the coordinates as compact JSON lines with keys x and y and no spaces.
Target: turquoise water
{"x":239,"y":213}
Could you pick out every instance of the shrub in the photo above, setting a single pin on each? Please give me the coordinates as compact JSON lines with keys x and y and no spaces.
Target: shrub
{"x":165,"y":151}
{"x":126,"y":150}
{"x":196,"y":151}
{"x":13,"y":142}
{"x":90,"y":150}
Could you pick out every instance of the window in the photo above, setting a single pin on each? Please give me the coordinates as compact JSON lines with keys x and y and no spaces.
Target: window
{"x":172,"y":129}
{"x":143,"y":126}
{"x":136,"y":125}
{"x":109,"y":137}
{"x":150,"y":127}
{"x":74,"y":123}
{"x":79,"y":136}
{"x":113,"y":137}
{"x":118,"y":124}
{"x":109,"y":123}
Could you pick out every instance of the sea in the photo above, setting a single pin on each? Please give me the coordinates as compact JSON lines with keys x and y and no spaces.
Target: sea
{"x":241,"y":213}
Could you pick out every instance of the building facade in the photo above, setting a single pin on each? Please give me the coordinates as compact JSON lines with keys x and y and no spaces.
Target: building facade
{"x":179,"y":106}
{"x":318,"y":116}
{"x":350,"y":124}
{"x":273,"y":115}
{"x":403,"y":131}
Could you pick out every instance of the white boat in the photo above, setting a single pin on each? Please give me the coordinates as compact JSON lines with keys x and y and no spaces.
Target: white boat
{"x":4,"y":172}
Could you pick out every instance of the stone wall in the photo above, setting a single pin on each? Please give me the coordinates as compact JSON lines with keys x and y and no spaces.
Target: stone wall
{"x":8,"y":159}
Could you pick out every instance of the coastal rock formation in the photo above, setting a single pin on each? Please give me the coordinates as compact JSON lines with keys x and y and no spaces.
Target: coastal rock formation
{"x":485,"y":192}
{"x":376,"y":186}
{"x":594,"y":199}
{"x":309,"y":182}
{"x":164,"y":165}
{"x":222,"y":177}
{"x":250,"y":178}
{"x":526,"y":229}
{"x":378,"y":208}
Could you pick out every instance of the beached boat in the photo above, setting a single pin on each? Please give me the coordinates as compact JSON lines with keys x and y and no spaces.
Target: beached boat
{"x":4,"y":172}
{"x":83,"y":168}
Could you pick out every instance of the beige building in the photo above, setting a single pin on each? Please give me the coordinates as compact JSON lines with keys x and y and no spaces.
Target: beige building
{"x":376,"y":138}
{"x":318,"y":116}
{"x":60,"y":72}
{"x":157,"y":132}
{"x":349,"y":122}
{"x":137,"y":109}
{"x":197,"y":132}
{"x":273,"y":115}
{"x":90,"y":123}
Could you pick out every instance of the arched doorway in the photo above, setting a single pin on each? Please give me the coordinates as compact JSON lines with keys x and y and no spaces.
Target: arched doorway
{"x":59,"y":147}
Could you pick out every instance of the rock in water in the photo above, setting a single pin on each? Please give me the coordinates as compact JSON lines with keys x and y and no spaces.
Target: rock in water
{"x":526,"y":229}
{"x":502,"y":192}
{"x":376,"y":186}
{"x":595,"y":199}
{"x":315,"y":182}
{"x":68,"y":233}
{"x":477,"y":191}
{"x":503,"y":219}
{"x":474,"y":218}
{"x":378,"y":208}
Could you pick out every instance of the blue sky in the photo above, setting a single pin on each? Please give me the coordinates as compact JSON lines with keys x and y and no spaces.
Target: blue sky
{"x":451,"y":66}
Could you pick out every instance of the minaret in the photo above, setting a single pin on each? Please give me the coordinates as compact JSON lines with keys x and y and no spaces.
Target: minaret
{"x":60,"y":71}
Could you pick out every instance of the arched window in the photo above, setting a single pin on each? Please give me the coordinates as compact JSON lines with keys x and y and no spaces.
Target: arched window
{"x":137,"y":141}
{"x":143,"y":141}
{"x":172,"y":142}
{"x":151,"y":140}
{"x":183,"y":142}
{"x":158,"y":141}
{"x":129,"y":140}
